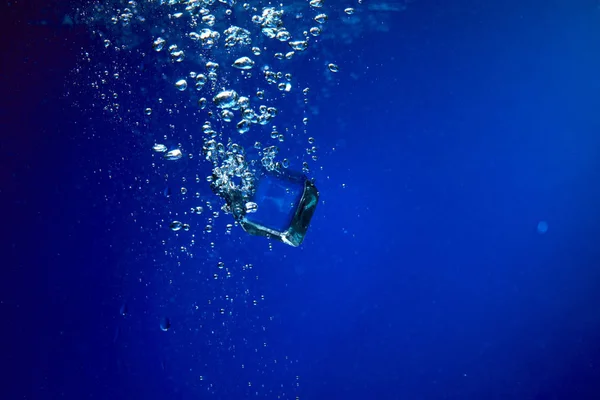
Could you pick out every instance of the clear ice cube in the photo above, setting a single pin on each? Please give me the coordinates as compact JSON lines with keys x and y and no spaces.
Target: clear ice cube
{"x":286,"y":201}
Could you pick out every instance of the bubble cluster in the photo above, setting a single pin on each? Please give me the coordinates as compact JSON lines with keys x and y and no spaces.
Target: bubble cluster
{"x":198,"y":86}
{"x":234,"y":35}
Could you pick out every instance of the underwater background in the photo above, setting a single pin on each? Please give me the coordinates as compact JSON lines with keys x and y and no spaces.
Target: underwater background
{"x":454,"y":252}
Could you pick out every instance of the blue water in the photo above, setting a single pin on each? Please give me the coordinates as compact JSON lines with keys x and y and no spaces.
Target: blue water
{"x":454,"y":255}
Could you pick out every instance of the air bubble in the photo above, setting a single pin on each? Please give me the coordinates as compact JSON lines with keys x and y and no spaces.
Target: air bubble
{"x":165,"y":324}
{"x":243,"y":63}
{"x":226,"y":99}
{"x":173,"y":155}
{"x":321,"y":18}
{"x":181,"y":85}
{"x":299,"y":45}
{"x":175,"y":226}
{"x":159,"y":148}
{"x":158,"y":44}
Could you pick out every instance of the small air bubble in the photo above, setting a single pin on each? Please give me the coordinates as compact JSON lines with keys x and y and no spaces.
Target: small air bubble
{"x":165,"y":324}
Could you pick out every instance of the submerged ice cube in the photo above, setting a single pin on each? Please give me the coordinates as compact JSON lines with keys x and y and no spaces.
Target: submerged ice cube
{"x":285,"y":203}
{"x":276,"y":203}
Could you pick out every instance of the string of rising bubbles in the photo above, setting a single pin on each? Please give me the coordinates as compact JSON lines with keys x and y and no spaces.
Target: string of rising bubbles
{"x":214,"y":93}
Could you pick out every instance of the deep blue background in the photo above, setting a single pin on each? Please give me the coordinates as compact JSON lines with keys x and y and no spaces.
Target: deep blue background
{"x":423,"y":275}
